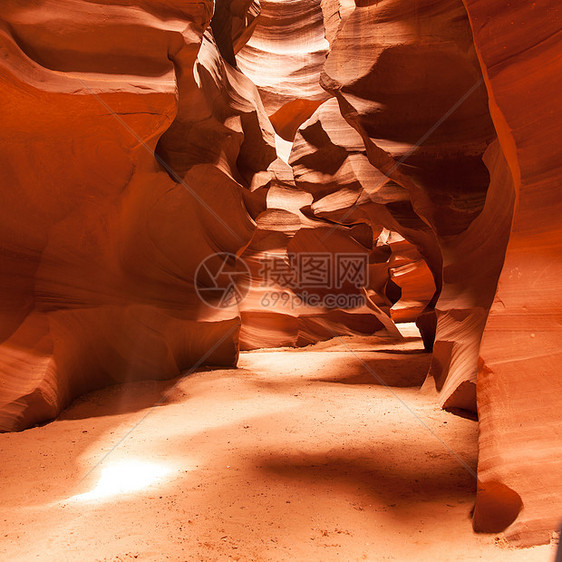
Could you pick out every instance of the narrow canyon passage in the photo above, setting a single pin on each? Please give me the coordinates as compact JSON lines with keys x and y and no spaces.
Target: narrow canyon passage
{"x":280,"y":280}
{"x":297,"y":454}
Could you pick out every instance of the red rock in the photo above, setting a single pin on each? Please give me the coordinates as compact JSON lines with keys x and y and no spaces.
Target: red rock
{"x":519,"y":380}
{"x":100,"y":239}
{"x":140,"y":140}
{"x":277,"y":311}
{"x":433,"y":152}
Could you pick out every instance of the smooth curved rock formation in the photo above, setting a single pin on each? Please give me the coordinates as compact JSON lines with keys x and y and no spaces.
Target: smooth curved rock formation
{"x":432,"y":152}
{"x":519,"y":379}
{"x":282,"y":311}
{"x":420,"y":136}
{"x":330,"y":162}
{"x":100,"y":236}
{"x":289,"y":38}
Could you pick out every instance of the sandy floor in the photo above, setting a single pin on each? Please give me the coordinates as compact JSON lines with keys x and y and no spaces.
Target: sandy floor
{"x":297,"y":455}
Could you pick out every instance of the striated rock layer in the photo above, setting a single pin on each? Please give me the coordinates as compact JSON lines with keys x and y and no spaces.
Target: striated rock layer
{"x":330,"y":162}
{"x":135,"y":149}
{"x":285,"y":55}
{"x":420,"y":136}
{"x":431,"y":154}
{"x":284,"y":59}
{"x":292,"y":38}
{"x":294,"y":298}
{"x":100,"y":237}
{"x":436,"y":151}
{"x":519,"y":379}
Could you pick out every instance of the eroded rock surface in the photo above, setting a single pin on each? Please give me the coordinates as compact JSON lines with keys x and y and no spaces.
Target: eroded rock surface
{"x":420,"y":135}
{"x":519,"y":380}
{"x":100,"y":236}
{"x":423,"y":165}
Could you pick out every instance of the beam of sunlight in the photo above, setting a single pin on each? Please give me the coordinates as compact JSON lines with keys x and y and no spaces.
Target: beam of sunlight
{"x":124,"y":477}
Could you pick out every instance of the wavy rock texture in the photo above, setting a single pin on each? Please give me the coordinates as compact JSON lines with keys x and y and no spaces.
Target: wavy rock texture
{"x":100,"y":237}
{"x":520,"y":60}
{"x":330,"y":162}
{"x":279,"y":310}
{"x":138,"y":140}
{"x":432,"y":151}
{"x":409,"y":272}
{"x":163,"y":153}
{"x":290,"y":37}
{"x":519,"y":380}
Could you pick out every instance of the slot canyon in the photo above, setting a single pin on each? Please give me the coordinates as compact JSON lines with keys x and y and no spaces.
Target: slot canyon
{"x":280,"y":280}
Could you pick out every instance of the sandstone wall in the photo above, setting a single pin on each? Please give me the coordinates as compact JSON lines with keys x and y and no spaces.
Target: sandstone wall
{"x":519,"y":379}
{"x":100,"y":232}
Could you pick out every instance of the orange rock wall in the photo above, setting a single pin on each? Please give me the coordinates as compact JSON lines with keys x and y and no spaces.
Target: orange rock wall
{"x":520,"y":380}
{"x":424,"y":134}
{"x":99,"y":235}
{"x":384,"y":57}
